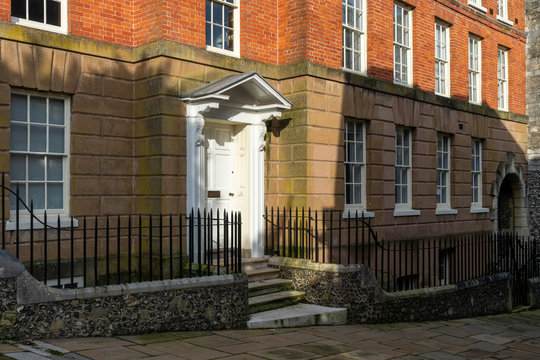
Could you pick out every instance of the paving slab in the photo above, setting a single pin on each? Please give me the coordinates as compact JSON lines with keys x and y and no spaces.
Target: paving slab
{"x":78,"y":344}
{"x":9,"y":349}
{"x":297,"y":316}
{"x":507,"y":336}
{"x":113,"y":353}
{"x":285,"y":353}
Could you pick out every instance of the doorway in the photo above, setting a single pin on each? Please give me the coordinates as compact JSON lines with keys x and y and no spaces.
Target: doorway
{"x":505,"y":207}
{"x":218,"y":187}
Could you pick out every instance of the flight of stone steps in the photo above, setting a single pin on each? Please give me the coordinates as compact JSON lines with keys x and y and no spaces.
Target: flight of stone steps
{"x":273,"y":303}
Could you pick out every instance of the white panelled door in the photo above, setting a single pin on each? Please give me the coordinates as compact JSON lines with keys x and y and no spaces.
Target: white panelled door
{"x":218,"y":187}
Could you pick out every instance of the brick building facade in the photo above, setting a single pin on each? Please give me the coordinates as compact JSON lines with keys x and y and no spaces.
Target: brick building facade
{"x":412,"y":113}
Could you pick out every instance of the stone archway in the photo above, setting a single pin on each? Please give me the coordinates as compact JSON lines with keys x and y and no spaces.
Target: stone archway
{"x":510,"y":198}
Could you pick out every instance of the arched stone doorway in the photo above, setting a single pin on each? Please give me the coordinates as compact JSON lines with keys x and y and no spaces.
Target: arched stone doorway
{"x":509,"y":198}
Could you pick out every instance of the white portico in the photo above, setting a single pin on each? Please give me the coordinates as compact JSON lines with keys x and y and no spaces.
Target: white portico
{"x":226,"y":128}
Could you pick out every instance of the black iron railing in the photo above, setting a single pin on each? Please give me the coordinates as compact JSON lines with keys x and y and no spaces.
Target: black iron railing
{"x":328,"y":236}
{"x":98,"y":250}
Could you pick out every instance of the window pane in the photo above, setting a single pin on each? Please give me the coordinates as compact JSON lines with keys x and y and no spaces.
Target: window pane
{"x":359,"y":152}
{"x":357,"y":194}
{"x":348,"y":192}
{"x":208,"y":11}
{"x":357,"y":174}
{"x":18,"y":8}
{"x":36,"y":192}
{"x":217,"y":13}
{"x":350,"y":152}
{"x":208,"y":34}
{"x":56,"y":111}
{"x":36,"y":168}
{"x":17,"y":167}
{"x":218,"y":37}
{"x":228,"y":16}
{"x":55,"y":196}
{"x":35,"y":10}
{"x":18,"y":137}
{"x":18,"y":108}
{"x":53,"y":12}
{"x":12,"y":197}
{"x":348,"y":173}
{"x":56,"y":140}
{"x":55,"y":170}
{"x":38,"y":110}
{"x":38,"y":136}
{"x":227,"y":36}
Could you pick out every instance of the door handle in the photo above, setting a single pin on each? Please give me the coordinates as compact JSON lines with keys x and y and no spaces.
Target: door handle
{"x":231,"y":194}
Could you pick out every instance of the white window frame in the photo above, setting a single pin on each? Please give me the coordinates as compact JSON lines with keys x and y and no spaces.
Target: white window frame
{"x":63,"y":28}
{"x":358,"y":35}
{"x":403,"y":45}
{"x":475,"y":70}
{"x":236,"y":28}
{"x":444,"y":145}
{"x":52,"y":214}
{"x":442,"y":59}
{"x":502,"y":78}
{"x":359,"y":128}
{"x":477,"y":4}
{"x":502,"y":10}
{"x":403,"y":161}
{"x":476,"y":173}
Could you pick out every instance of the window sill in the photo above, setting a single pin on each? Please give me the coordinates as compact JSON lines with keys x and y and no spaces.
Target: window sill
{"x":479,"y":210}
{"x":38,"y":25}
{"x":351,"y":213}
{"x":356,"y":72}
{"x":223,"y":51}
{"x":406,"y":212}
{"x":409,"y":85}
{"x":442,"y":95}
{"x":478,"y":7}
{"x":446,"y":211}
{"x":24,"y":223}
{"x":505,"y":21}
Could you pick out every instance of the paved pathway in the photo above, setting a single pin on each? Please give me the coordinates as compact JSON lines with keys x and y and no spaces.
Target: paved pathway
{"x":509,"y":336}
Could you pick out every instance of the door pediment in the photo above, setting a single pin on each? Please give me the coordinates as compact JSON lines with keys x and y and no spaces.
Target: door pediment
{"x":245,"y":92}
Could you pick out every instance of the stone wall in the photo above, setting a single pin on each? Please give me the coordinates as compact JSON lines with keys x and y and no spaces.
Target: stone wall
{"x":355,"y":288}
{"x":532,"y":22}
{"x":29,"y":309}
{"x":534,"y":293}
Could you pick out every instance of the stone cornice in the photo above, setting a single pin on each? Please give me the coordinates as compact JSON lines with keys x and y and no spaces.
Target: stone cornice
{"x":201,"y":56}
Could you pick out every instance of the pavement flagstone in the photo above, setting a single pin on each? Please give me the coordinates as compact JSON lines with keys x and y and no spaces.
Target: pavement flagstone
{"x":506,"y":336}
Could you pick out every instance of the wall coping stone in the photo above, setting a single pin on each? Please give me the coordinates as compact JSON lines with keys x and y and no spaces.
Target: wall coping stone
{"x":10,"y":266}
{"x":30,"y":290}
{"x":430,"y":291}
{"x":310,"y":265}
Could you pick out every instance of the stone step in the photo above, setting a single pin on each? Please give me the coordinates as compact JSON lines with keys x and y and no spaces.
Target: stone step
{"x":275,"y":300}
{"x":298,"y":315}
{"x":254,"y":263}
{"x":262,"y":274}
{"x":268,"y":286}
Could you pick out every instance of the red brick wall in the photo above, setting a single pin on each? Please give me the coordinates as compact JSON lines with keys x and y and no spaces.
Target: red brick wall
{"x":258,"y":30}
{"x":290,"y":31}
{"x":5,"y":10}
{"x":104,"y":20}
{"x":310,"y":30}
{"x":463,"y":22}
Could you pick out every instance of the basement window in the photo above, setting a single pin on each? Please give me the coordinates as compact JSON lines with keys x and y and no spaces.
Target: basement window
{"x":49,"y":15}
